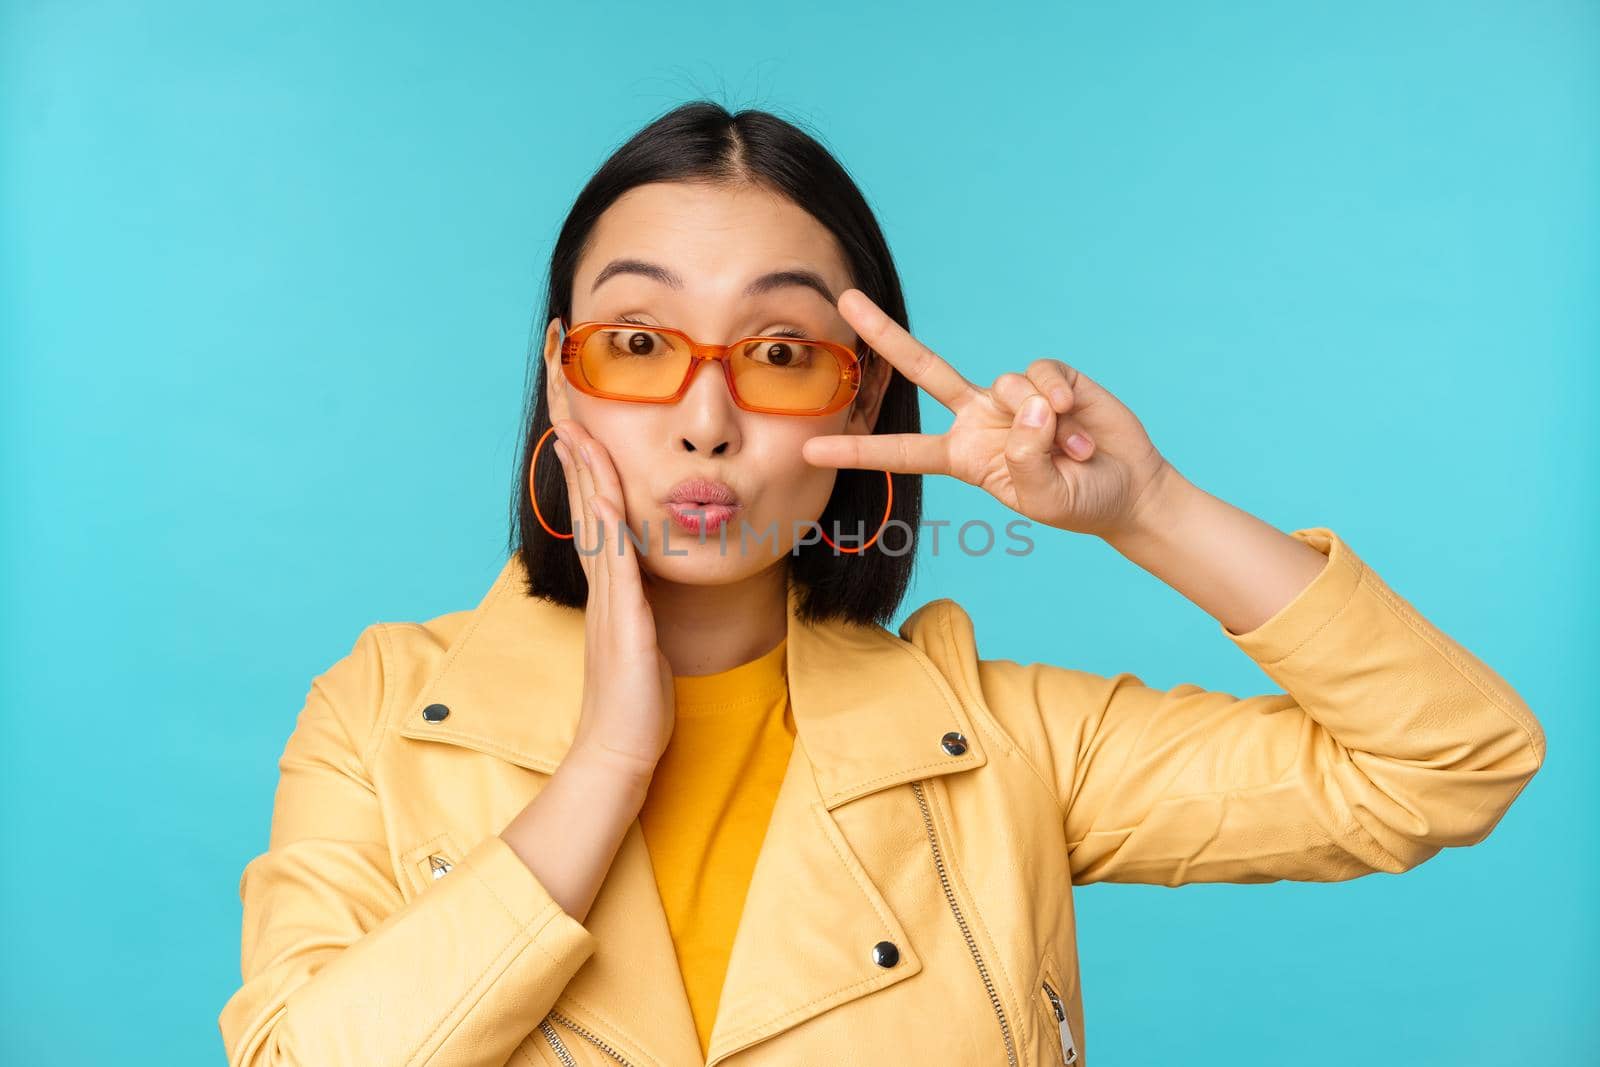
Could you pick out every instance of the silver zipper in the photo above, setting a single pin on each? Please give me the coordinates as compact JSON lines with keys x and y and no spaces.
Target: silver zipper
{"x":972,"y":946}
{"x":556,"y":1044}
{"x":1069,"y":1048}
{"x":561,"y":1050}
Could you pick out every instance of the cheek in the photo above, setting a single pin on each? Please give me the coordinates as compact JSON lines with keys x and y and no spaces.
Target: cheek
{"x":795,"y":489}
{"x":614,"y":426}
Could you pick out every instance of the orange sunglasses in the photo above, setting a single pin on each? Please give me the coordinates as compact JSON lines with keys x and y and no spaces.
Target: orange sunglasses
{"x":777,"y":375}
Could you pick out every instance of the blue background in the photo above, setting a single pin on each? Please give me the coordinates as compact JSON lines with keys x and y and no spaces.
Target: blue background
{"x":270,"y":274}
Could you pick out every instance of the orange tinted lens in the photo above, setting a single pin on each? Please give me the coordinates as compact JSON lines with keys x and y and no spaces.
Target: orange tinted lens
{"x":634,"y":362}
{"x":787,"y":374}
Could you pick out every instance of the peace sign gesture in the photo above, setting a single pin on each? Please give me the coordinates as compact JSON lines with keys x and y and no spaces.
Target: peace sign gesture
{"x":1049,"y":443}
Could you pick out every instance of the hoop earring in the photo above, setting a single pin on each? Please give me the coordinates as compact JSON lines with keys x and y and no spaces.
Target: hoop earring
{"x":533,"y":491}
{"x":887,"y":505}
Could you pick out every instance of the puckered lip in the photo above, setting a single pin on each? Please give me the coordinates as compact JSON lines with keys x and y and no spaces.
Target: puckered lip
{"x":702,"y":491}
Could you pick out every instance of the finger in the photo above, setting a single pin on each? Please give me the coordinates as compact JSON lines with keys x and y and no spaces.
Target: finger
{"x":604,"y":481}
{"x":621,"y":561}
{"x":1055,"y":380}
{"x":1030,"y":446}
{"x":597,"y":537}
{"x":1011,"y":389}
{"x":586,"y":528}
{"x":625,"y":578}
{"x":903,"y":453}
{"x":569,"y":473}
{"x":908,"y":355}
{"x":1073,"y":438}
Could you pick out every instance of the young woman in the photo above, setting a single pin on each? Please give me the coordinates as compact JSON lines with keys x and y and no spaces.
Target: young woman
{"x":673,"y":794}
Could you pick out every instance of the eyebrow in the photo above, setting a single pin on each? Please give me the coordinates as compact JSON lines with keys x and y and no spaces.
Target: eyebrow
{"x":778,"y":279}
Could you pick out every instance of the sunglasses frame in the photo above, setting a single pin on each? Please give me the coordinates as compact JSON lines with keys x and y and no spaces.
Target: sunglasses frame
{"x":573,"y":339}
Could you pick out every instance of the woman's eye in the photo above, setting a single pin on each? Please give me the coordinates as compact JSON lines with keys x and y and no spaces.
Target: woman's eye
{"x":780,"y":353}
{"x":636,"y":342}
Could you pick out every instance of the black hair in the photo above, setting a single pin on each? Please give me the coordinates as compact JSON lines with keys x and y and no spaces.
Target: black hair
{"x":703,"y":141}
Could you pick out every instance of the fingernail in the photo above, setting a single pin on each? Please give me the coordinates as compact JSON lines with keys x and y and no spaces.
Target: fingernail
{"x":869,"y":310}
{"x":583,"y":450}
{"x":561,"y":450}
{"x":1078,"y":445}
{"x":1034,"y":410}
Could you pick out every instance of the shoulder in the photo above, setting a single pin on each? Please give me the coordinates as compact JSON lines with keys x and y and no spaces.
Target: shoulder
{"x":1041,"y":710}
{"x":944,"y":631}
{"x":387,"y":664}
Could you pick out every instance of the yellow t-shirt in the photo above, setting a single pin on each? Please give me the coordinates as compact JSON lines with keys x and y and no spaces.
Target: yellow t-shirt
{"x":707,"y":810}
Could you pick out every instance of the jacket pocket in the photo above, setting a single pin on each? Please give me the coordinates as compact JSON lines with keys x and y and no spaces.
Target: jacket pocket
{"x":1051,"y":997}
{"x":425,"y":863}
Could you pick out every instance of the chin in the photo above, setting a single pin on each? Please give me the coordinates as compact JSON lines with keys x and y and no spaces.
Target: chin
{"x":693,"y":563}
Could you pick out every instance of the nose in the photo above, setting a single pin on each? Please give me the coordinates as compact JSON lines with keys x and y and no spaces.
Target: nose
{"x":707,"y":415}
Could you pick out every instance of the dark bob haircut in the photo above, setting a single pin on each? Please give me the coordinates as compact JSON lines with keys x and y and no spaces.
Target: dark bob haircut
{"x":704,"y":142}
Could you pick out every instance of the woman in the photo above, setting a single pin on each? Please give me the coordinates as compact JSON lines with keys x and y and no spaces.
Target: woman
{"x":673,"y":794}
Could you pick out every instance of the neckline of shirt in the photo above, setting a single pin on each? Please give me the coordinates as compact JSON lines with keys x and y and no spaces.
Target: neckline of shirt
{"x":757,"y":681}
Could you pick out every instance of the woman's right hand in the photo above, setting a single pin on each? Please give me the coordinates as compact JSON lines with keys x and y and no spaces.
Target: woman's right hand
{"x":628,"y":707}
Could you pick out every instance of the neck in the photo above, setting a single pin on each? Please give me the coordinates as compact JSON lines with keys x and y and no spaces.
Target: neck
{"x":704,"y":629}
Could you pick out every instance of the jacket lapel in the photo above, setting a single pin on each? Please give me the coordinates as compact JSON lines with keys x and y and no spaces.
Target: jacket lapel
{"x":870,"y":712}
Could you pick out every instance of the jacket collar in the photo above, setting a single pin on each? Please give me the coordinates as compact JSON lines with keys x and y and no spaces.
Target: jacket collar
{"x":869,"y":707}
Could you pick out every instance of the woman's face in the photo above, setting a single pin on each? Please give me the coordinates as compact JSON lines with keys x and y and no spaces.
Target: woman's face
{"x":710,"y":243}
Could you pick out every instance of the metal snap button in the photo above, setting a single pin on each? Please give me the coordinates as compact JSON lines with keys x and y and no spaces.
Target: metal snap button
{"x":435,"y":712}
{"x":438,"y":866}
{"x":953,"y":743}
{"x":884,"y":954}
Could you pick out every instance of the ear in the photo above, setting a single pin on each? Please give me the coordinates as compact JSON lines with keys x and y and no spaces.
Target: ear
{"x":869,"y":398}
{"x":555,"y":381}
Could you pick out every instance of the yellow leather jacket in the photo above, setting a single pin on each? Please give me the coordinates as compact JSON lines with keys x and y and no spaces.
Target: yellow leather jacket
{"x":912,"y":901}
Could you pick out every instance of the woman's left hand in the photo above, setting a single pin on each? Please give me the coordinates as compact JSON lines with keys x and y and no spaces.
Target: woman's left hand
{"x":1087,"y":465}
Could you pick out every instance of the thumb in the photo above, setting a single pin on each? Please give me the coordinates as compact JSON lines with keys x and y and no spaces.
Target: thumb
{"x":1029,"y":445}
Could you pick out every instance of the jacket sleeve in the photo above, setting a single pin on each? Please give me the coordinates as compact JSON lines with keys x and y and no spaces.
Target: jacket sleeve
{"x":337,"y":970}
{"x":1389,"y":742}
